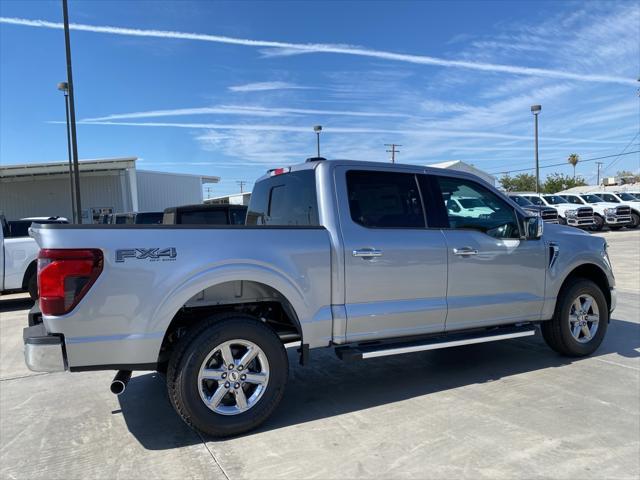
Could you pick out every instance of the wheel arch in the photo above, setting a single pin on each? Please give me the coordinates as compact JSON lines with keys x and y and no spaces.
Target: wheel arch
{"x":592,"y":272}
{"x":31,"y":269}
{"x":267,"y":295}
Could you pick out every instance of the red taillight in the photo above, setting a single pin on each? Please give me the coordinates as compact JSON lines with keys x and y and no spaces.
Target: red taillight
{"x":64,"y":276}
{"x":279,"y":171}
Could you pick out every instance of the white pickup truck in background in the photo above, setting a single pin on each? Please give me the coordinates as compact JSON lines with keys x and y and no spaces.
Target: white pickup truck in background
{"x":17,"y":262}
{"x":18,"y":254}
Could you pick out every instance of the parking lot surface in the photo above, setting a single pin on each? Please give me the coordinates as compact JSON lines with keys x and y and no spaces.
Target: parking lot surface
{"x":503,"y":410}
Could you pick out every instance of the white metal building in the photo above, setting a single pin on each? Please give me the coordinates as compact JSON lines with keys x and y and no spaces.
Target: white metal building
{"x":107,"y":185}
{"x":465,"y":167}
{"x":233,"y":199}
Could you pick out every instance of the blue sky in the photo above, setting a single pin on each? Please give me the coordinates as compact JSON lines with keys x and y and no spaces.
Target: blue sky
{"x":234,"y":88}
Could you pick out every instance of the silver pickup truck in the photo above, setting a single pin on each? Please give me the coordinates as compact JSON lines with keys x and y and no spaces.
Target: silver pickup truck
{"x":363,"y":257}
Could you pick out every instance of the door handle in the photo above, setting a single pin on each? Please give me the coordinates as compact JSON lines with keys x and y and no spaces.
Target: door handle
{"x":367,"y":252}
{"x":464,"y":251}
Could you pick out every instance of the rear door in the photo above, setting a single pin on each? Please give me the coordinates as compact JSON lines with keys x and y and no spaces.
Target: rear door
{"x":395,"y":267}
{"x":494,"y":276}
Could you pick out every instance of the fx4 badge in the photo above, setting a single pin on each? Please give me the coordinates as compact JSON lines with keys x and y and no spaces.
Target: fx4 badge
{"x":151,"y":254}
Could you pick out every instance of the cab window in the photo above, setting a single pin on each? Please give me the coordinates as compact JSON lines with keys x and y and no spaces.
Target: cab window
{"x":479,"y":208}
{"x":384,"y":199}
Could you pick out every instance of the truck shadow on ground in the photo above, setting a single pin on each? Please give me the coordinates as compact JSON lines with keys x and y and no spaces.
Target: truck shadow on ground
{"x":329,"y":387}
{"x":15,"y":304}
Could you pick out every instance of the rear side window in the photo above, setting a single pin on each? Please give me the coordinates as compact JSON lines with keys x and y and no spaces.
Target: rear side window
{"x":285,"y":200}
{"x":384,"y":199}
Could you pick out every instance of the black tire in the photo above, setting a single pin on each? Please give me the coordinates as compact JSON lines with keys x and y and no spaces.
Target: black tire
{"x":635,"y":220}
{"x":191,"y":352}
{"x":32,"y":286}
{"x":562,"y":221}
{"x":557,"y":333}
{"x":598,"y":223}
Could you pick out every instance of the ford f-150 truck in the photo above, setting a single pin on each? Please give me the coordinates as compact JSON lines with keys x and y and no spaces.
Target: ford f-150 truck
{"x":364,"y":257}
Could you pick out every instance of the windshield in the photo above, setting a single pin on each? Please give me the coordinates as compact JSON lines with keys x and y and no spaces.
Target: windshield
{"x":523,"y":202}
{"x":608,"y":197}
{"x":555,"y":199}
{"x":535,"y":200}
{"x":574,"y":199}
{"x":592,"y":198}
{"x":471,"y":202}
{"x":627,"y":197}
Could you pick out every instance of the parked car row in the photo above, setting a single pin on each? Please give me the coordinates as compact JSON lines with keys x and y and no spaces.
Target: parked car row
{"x":588,"y":210}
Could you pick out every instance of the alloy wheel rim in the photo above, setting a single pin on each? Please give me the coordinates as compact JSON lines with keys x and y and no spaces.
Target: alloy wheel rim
{"x":233,"y":377}
{"x":584,"y":318}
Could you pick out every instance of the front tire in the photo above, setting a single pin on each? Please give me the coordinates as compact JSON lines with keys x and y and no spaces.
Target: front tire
{"x":635,"y":220}
{"x":228,"y":375}
{"x":598,"y":223}
{"x":580,"y":320}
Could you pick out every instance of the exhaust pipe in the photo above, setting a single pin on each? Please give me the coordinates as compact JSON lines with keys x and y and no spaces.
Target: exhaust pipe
{"x":120,"y":381}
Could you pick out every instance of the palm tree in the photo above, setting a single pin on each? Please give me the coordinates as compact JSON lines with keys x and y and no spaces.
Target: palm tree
{"x":573,"y":160}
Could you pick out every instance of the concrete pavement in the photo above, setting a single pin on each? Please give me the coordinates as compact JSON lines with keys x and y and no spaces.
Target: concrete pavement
{"x":503,"y":410}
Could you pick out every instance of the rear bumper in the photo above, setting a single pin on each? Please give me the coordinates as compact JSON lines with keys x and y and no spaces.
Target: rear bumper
{"x":43,"y":352}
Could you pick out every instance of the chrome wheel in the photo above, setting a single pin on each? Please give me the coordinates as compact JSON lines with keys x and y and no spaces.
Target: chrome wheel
{"x":233,"y":377}
{"x":584,"y":318}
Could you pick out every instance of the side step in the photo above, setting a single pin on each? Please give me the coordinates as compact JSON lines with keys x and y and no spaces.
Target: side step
{"x":383,"y":349}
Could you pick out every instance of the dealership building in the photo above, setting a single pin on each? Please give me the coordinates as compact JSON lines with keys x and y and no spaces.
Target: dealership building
{"x":106,"y":186}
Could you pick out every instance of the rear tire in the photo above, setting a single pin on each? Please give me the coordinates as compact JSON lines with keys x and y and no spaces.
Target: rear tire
{"x":219,"y":407}
{"x":571,"y":332}
{"x":32,"y":286}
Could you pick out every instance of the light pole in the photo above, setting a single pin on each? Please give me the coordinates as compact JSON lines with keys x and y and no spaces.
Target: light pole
{"x":535,"y":109}
{"x":318,"y":129}
{"x":64,"y":88}
{"x":72,"y":112}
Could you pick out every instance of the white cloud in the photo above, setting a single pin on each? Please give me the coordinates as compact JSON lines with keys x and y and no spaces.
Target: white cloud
{"x":265,"y":86}
{"x":333,"y":48}
{"x":245,"y":110}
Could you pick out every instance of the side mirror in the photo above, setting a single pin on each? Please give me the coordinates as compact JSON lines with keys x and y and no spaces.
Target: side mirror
{"x":533,"y":227}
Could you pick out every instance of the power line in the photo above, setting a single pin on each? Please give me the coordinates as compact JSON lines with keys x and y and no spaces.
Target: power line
{"x":564,"y":163}
{"x":621,"y":153}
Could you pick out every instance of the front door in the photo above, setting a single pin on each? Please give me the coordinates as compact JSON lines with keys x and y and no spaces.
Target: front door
{"x":494,"y":276}
{"x":395,"y":268}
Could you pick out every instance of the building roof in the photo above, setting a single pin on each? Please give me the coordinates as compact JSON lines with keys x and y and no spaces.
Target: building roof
{"x":627,"y":187}
{"x":85,"y":166}
{"x":465,"y":167}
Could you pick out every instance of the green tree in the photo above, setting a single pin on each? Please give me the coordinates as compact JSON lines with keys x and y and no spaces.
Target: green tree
{"x":628,"y":176}
{"x":523,"y":182}
{"x":557,"y":182}
{"x":573,"y":160}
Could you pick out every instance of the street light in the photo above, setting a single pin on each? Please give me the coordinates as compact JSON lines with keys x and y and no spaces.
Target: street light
{"x":535,"y":109}
{"x":64,"y":88}
{"x":318,"y":129}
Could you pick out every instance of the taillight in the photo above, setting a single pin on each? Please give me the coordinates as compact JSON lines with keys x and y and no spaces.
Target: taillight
{"x":65,"y":276}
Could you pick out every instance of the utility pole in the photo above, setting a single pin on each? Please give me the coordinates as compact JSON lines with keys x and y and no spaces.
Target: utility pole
{"x":393,"y":150}
{"x":598,"y":181}
{"x":72,"y":113}
{"x":242,"y":183}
